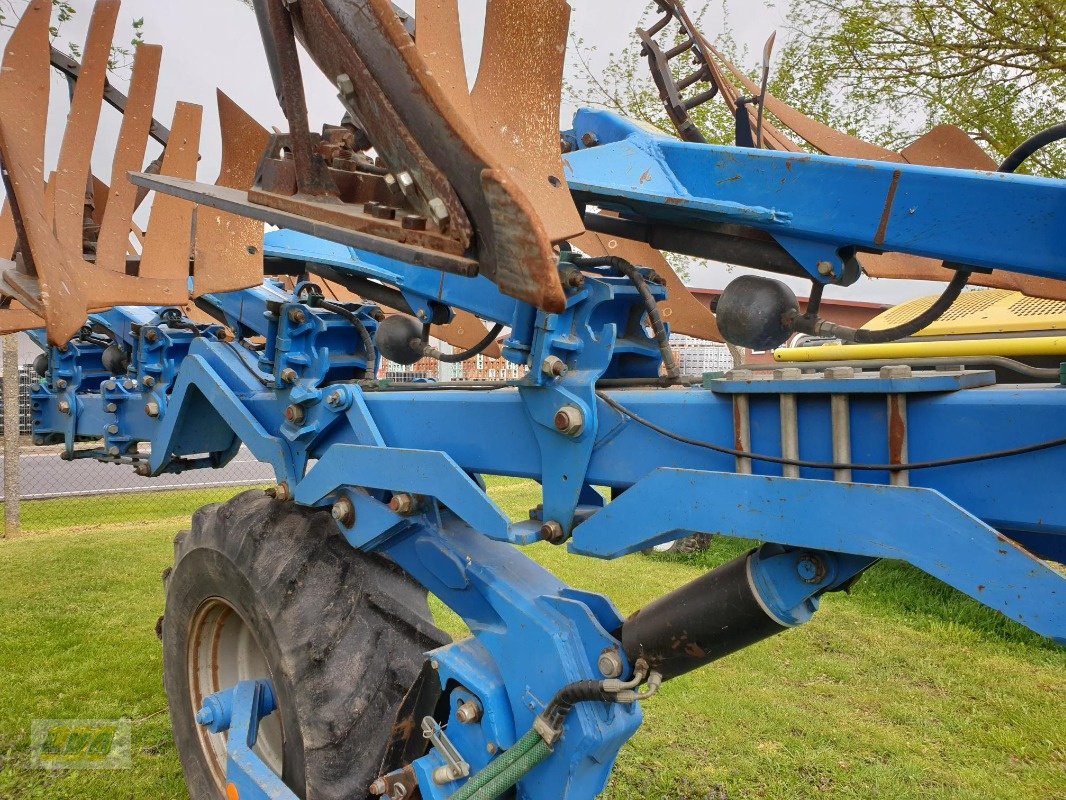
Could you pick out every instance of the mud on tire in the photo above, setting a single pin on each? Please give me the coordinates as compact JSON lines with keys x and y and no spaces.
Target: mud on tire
{"x":341,"y":634}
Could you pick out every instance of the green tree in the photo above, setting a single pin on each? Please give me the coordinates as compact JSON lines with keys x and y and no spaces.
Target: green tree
{"x":883,"y":70}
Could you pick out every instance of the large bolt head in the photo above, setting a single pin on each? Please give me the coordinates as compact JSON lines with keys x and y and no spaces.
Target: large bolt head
{"x":344,"y":512}
{"x":569,"y":420}
{"x":468,"y":713}
{"x":403,"y":504}
{"x":63,"y":406}
{"x":610,"y":664}
{"x":151,"y":408}
{"x":554,"y":367}
{"x":552,"y":532}
{"x":294,"y":414}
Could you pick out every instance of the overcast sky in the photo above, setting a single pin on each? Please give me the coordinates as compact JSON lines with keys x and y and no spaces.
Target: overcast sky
{"x":215,"y":43}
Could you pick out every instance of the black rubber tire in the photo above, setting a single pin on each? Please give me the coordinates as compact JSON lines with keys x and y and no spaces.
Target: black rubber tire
{"x":343,"y":633}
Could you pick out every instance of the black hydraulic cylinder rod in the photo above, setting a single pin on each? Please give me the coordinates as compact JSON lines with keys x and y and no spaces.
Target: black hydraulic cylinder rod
{"x":711,"y":617}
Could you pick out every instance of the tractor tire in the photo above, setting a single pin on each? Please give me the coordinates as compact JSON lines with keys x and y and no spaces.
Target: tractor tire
{"x":263,"y":588}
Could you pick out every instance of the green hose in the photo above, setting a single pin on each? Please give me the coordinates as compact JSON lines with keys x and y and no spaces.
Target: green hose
{"x":499,"y":765}
{"x":509,"y":776}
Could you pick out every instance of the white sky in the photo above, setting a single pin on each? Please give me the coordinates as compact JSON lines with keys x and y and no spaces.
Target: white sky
{"x":215,"y":43}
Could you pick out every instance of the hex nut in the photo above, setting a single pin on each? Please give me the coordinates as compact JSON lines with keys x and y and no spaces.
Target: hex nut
{"x":788,"y":374}
{"x":294,"y":414}
{"x":403,"y":504}
{"x":343,"y":511}
{"x":552,"y":532}
{"x":554,"y":367}
{"x":569,"y":420}
{"x":610,"y":663}
{"x":838,"y":373}
{"x":297,"y":316}
{"x":413,"y":222}
{"x":63,"y":406}
{"x":112,"y":429}
{"x":590,"y":139}
{"x":151,"y":408}
{"x":111,"y":408}
{"x":468,"y":713}
{"x":281,"y":492}
{"x":148,"y":381}
{"x":288,"y":375}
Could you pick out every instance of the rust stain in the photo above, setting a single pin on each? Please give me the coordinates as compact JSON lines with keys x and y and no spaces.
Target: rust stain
{"x":897,"y":430}
{"x":645,"y":177}
{"x":887,"y":213}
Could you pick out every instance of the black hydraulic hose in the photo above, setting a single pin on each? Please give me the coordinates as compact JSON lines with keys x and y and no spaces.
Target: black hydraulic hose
{"x":364,"y":334}
{"x":657,"y":324}
{"x":572,"y":694}
{"x":909,"y":328}
{"x":1031,"y":145}
{"x":465,"y":355}
{"x":796,"y":462}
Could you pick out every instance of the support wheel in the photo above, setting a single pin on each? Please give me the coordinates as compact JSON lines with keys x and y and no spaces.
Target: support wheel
{"x":262,"y":588}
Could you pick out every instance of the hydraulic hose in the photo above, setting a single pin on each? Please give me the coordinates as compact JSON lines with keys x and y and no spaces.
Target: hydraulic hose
{"x":641,"y":285}
{"x":465,"y":355}
{"x":498,"y":766}
{"x":364,"y":334}
{"x":1031,"y":145}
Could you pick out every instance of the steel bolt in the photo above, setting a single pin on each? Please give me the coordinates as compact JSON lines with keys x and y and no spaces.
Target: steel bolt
{"x":491,"y":748}
{"x":590,"y":139}
{"x":111,"y":408}
{"x":403,"y":504}
{"x":443,"y":775}
{"x":129,"y":383}
{"x":469,"y":712}
{"x":811,"y":569}
{"x":569,"y":420}
{"x":109,"y":386}
{"x":63,"y":406}
{"x":552,"y":532}
{"x":553,"y":367}
{"x":439,"y":211}
{"x":288,"y":375}
{"x":413,"y":222}
{"x":405,"y":182}
{"x":344,"y":512}
{"x":297,"y":316}
{"x":148,"y":381}
{"x":573,"y":279}
{"x":61,"y":384}
{"x":334,"y":399}
{"x":379,"y":787}
{"x":114,"y":451}
{"x":610,"y":664}
{"x":151,"y":408}
{"x":281,"y":492}
{"x":151,"y":335}
{"x":294,"y":414}
{"x":825,"y":268}
{"x":112,"y":429}
{"x":895,"y":371}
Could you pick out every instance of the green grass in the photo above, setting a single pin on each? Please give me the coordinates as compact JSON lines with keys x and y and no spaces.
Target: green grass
{"x":901,"y":689}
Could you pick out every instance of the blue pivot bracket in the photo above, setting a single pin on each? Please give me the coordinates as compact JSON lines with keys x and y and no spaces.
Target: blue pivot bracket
{"x":239,"y":710}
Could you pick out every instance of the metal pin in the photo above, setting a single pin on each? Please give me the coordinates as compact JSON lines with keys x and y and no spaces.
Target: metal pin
{"x":789,"y":435}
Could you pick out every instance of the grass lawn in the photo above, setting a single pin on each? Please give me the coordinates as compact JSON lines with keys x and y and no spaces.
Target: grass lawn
{"x":902,"y":689}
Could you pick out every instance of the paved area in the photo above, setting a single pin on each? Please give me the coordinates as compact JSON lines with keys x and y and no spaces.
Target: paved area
{"x":44,"y":475}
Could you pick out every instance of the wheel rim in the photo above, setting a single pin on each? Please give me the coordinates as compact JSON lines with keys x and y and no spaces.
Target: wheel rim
{"x":222,"y":652}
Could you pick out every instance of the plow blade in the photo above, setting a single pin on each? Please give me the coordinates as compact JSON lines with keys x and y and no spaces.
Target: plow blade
{"x":68,"y":241}
{"x":478,"y":171}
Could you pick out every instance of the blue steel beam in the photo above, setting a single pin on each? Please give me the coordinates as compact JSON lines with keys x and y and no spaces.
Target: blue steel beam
{"x":817,"y":206}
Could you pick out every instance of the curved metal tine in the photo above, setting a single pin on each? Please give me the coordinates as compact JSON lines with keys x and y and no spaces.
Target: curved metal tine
{"x":115,"y":230}
{"x":72,"y":171}
{"x":516,"y":101}
{"x":228,"y":251}
{"x":168,"y":240}
{"x":438,"y":38}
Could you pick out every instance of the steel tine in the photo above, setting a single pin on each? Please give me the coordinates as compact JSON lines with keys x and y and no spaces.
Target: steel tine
{"x":169,"y":236}
{"x":438,"y":38}
{"x":516,"y":101}
{"x":16,"y":318}
{"x":80,"y":134}
{"x":228,"y":253}
{"x":113,"y":241}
